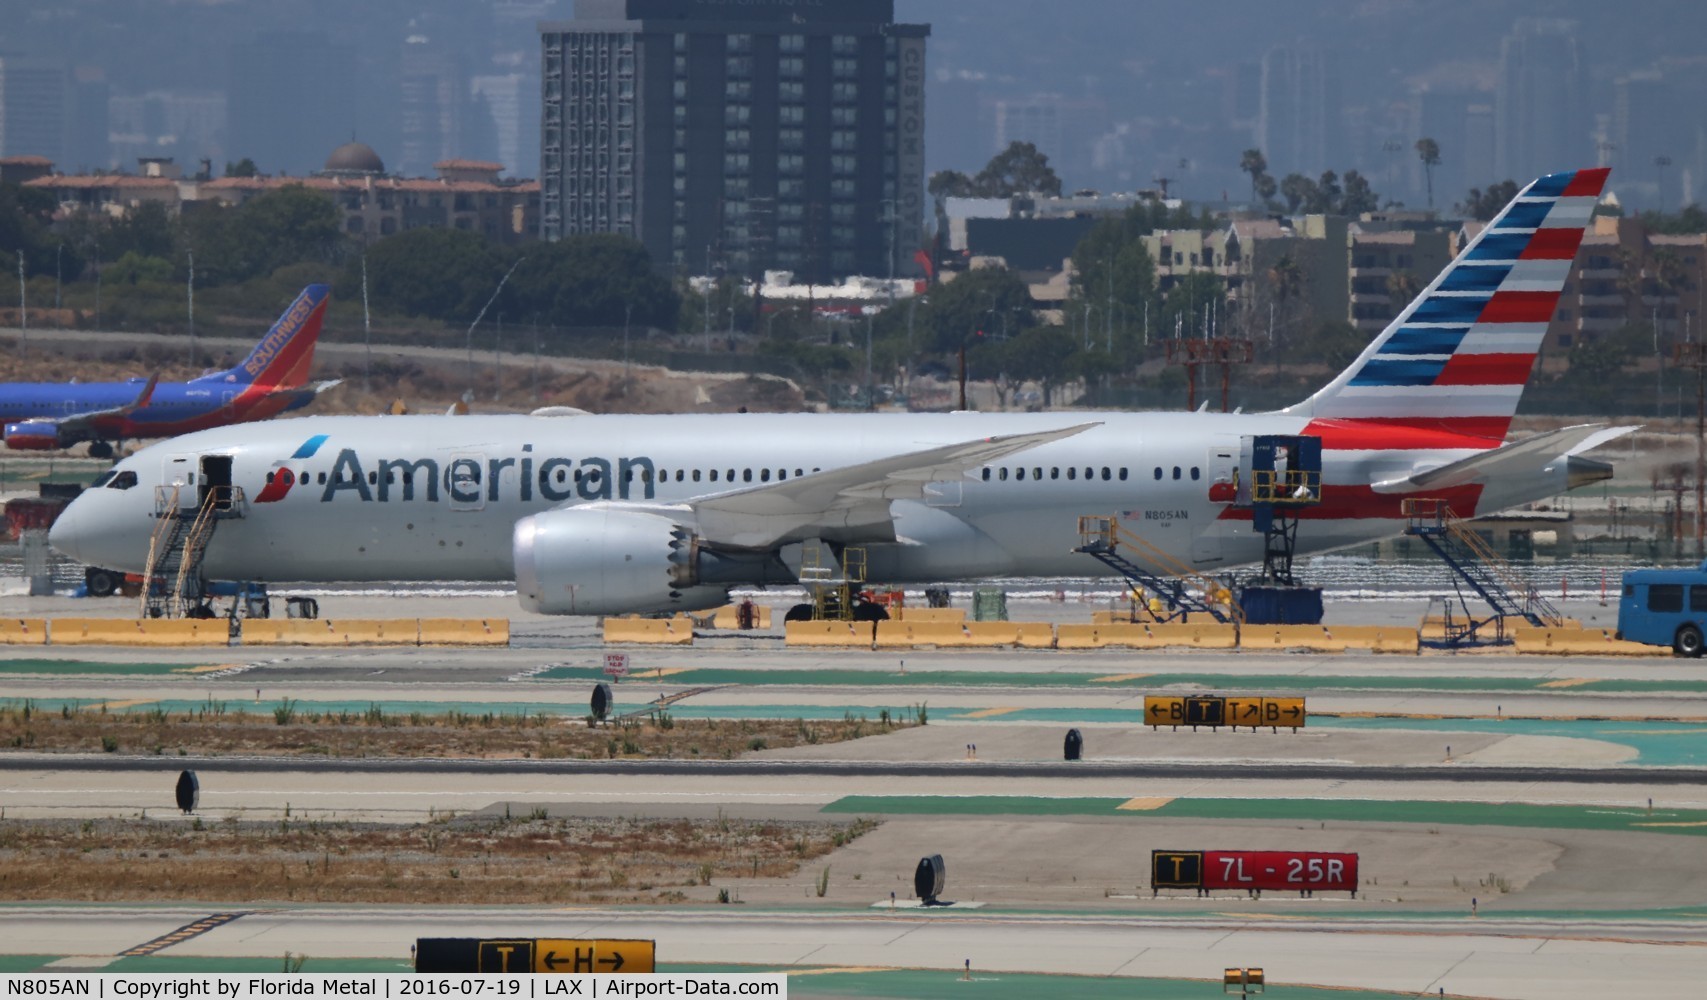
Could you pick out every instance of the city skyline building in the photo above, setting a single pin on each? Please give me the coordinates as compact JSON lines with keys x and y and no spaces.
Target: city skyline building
{"x":1543,"y":118}
{"x":738,"y":139}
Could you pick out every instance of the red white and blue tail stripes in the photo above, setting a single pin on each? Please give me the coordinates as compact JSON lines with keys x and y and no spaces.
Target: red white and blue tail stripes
{"x":1450,"y":369}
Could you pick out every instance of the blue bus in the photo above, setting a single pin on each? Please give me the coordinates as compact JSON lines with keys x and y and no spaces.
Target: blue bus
{"x":1665,"y":607}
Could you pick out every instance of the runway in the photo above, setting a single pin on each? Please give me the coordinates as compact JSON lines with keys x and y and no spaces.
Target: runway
{"x":1575,"y":960}
{"x":1576,"y":785}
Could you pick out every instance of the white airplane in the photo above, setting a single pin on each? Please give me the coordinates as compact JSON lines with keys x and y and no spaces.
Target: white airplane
{"x":616,"y":514}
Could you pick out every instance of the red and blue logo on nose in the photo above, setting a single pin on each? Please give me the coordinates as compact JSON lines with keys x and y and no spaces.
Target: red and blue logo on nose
{"x":282,"y":477}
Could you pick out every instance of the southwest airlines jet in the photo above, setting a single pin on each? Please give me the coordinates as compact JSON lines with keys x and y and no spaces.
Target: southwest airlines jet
{"x":271,"y":380}
{"x":614,"y":514}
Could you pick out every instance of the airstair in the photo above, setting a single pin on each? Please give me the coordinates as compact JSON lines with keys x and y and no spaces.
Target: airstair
{"x":1476,"y":566}
{"x":834,"y":584}
{"x":1180,"y":590}
{"x":173,"y":583}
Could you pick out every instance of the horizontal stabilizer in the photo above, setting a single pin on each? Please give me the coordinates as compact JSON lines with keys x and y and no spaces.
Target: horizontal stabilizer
{"x":1517,"y":458}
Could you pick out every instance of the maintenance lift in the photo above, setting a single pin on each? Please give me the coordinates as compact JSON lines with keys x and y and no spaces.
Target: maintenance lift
{"x":1476,"y":566}
{"x":1282,"y":478}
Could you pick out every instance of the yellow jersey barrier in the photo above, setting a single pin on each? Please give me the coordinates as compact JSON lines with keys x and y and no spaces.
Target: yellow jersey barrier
{"x":1580,"y":641}
{"x":650,"y":631}
{"x":845,"y":635}
{"x":1209,"y":635}
{"x":1330,"y":638}
{"x":332,"y":632}
{"x":139,"y":632}
{"x":955,"y":615}
{"x":905,"y":634}
{"x":23,"y":631}
{"x":464,"y":631}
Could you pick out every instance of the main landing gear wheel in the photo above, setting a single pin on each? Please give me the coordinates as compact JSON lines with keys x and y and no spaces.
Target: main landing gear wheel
{"x":100,"y":449}
{"x":1688,"y":642}
{"x":101,"y":582}
{"x":865,"y":611}
{"x":799,"y":613}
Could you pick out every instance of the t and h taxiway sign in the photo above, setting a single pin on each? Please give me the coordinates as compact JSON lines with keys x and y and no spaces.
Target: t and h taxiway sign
{"x":609,"y":956}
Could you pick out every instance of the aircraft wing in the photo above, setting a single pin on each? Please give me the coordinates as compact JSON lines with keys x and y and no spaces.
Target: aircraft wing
{"x":103,"y":423}
{"x":1524,"y":456}
{"x":849,"y":504}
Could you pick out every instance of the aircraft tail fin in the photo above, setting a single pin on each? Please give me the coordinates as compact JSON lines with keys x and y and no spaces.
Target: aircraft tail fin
{"x":284,"y":356}
{"x":1452,"y":366}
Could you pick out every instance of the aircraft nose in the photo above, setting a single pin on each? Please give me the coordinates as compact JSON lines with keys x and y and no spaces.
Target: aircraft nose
{"x":91,"y":531}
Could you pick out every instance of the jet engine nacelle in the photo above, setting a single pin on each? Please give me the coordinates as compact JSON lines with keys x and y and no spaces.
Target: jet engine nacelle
{"x":33,"y":435}
{"x":599,"y":561}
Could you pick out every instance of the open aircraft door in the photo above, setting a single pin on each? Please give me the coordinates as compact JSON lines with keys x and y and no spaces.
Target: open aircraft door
{"x":180,"y":472}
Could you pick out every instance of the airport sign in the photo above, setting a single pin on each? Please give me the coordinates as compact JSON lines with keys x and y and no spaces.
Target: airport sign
{"x":616,"y":665}
{"x":611,"y":956}
{"x":1216,"y":711}
{"x":1297,"y":871}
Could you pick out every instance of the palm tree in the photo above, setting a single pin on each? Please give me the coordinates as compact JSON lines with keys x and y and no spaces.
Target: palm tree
{"x":1401,"y":289}
{"x":1254,"y":163}
{"x":1429,"y":152}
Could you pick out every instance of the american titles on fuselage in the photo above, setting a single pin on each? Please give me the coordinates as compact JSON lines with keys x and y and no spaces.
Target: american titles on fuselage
{"x":470,"y":479}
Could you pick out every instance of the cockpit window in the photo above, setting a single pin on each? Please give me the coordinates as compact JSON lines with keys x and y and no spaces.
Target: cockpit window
{"x":103,"y":479}
{"x":122,"y":481}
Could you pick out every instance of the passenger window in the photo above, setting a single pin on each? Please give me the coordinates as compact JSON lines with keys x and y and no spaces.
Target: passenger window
{"x":1158,"y":473}
{"x":373,"y":479}
{"x":123,"y":481}
{"x":746,"y":475}
{"x":1176,"y":472}
{"x":696,"y":475}
{"x":1019,"y":473}
{"x":1194,"y":473}
{"x":798,"y":473}
{"x":1037,"y":473}
{"x":1072,"y":472}
{"x":986,"y":473}
{"x":764,"y":475}
{"x":1698,"y":598}
{"x":323,"y":479}
{"x":1665,"y":597}
{"x":1090,"y":473}
{"x":1003,"y":474}
{"x":1055,"y":472}
{"x":714,"y":475}
{"x":731,"y":475}
{"x":1105,"y":475}
{"x":781,"y":474}
{"x":679,"y":475}
{"x":1123,"y":473}
{"x":269,"y":478}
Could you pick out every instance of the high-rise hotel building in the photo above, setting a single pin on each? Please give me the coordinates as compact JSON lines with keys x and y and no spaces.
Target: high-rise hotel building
{"x":735,"y":136}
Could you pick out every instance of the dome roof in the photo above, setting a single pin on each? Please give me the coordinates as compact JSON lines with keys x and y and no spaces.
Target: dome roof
{"x":355,"y":158}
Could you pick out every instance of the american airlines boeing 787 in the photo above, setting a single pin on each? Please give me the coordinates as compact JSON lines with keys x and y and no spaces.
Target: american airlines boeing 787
{"x":613,"y":514}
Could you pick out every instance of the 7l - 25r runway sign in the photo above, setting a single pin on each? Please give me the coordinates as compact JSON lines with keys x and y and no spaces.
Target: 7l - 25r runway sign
{"x":1295,"y":870}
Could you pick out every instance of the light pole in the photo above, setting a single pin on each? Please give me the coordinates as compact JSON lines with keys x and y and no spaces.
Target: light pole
{"x":23,"y":309}
{"x":367,"y":332}
{"x":191,"y":300}
{"x":627,"y":318}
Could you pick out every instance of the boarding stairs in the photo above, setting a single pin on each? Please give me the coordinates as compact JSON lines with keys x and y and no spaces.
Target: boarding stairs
{"x":1182,"y":590}
{"x":173,"y":585}
{"x":1475,"y":564}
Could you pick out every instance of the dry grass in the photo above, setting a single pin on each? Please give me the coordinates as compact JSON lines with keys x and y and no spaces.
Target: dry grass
{"x":473,"y":860}
{"x":280,"y":729}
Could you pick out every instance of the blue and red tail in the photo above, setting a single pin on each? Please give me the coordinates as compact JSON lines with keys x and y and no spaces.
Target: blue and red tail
{"x":1449,"y":371}
{"x":284,"y":356}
